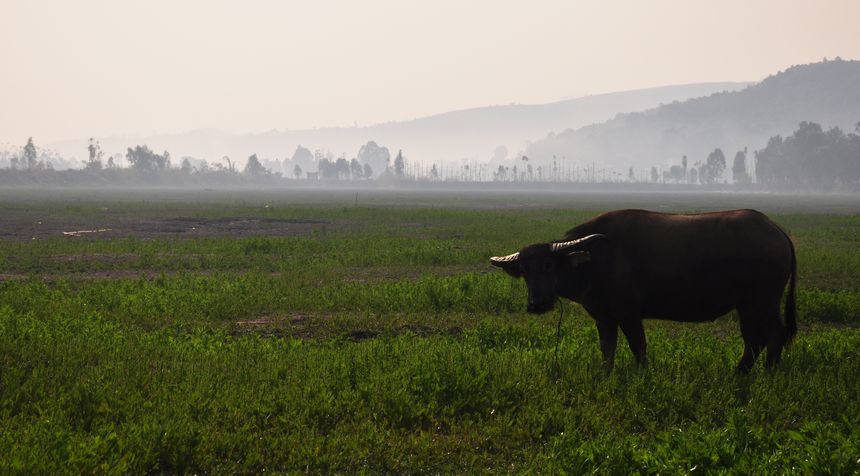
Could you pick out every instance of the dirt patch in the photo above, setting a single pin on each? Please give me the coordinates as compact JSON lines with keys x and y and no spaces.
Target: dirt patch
{"x":24,"y":227}
{"x":272,"y":320}
{"x":359,"y":335}
{"x":298,"y":325}
{"x":85,"y":232}
{"x":234,"y":226}
{"x":118,"y":273}
{"x":92,"y":275}
{"x":95,"y":258}
{"x":88,"y":266}
{"x":186,"y":227}
{"x":324,"y":326}
{"x":374,"y":274}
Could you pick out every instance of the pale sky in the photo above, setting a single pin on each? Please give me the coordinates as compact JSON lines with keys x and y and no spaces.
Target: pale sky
{"x":75,"y":69}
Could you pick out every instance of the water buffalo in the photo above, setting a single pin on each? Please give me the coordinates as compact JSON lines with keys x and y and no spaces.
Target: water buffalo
{"x":627,"y":265}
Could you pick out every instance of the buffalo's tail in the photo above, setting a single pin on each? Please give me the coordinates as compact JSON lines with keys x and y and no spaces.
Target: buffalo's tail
{"x":791,"y":298}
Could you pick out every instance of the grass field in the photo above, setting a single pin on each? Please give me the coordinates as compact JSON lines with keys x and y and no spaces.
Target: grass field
{"x":243,"y":332}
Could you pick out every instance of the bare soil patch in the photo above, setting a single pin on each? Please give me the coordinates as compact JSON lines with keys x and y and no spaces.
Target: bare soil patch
{"x":22,"y":226}
{"x":296,"y":324}
{"x":88,"y":275}
{"x":311,"y":326}
{"x":374,"y":274}
{"x":232,"y":227}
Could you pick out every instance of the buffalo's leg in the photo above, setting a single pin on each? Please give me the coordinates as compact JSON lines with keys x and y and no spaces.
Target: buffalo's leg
{"x":608,"y":333}
{"x":634,"y":331}
{"x":775,"y":335}
{"x":754,"y":339}
{"x":751,"y":351}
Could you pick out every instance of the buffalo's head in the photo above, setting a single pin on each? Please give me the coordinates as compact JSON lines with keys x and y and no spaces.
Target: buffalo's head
{"x":549,"y":270}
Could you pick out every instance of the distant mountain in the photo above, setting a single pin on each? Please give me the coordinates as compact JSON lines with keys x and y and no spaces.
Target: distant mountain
{"x":452,"y":136}
{"x":827,"y":93}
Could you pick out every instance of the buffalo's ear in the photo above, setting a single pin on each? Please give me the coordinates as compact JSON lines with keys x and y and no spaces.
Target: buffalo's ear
{"x":510,"y":264}
{"x":579,"y":257}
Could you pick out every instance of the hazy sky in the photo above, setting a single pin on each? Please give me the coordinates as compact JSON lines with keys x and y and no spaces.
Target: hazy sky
{"x":74,"y":69}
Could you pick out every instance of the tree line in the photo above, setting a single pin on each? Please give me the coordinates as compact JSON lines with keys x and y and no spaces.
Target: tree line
{"x":811,"y":158}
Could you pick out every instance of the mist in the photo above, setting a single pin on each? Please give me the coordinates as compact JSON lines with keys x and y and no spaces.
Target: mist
{"x":383,"y":95}
{"x":786,"y":132}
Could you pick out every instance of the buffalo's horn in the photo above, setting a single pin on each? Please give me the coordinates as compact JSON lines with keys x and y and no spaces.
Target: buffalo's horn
{"x":502,"y":260}
{"x":566,"y":246}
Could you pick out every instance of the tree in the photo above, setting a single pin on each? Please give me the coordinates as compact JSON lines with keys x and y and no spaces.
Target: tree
{"x":254,"y":168}
{"x":368,"y":171}
{"x":739,"y":168}
{"x":501,"y":174}
{"x":231,"y":167}
{"x":303,"y":158}
{"x":810,"y":158}
{"x":434,"y":173}
{"x":202,"y":167}
{"x":675,"y":174}
{"x":355,"y":170}
{"x":375,"y":156}
{"x":95,"y":155}
{"x":297,"y":171}
{"x":326,"y":168}
{"x":655,"y":177}
{"x":342,"y":169}
{"x":144,"y":159}
{"x":320,"y":154}
{"x":684,"y":165}
{"x":812,"y":151}
{"x":399,"y":164}
{"x":30,"y":155}
{"x":186,"y":167}
{"x":714,"y":167}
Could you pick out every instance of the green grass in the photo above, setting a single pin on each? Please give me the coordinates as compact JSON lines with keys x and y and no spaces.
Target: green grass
{"x":380,"y":340}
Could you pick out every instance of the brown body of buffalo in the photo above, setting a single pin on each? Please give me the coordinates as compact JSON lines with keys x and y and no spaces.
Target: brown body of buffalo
{"x":627,"y":265}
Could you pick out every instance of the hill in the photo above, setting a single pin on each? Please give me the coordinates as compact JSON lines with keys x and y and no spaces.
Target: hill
{"x":827,"y":93}
{"x":451,"y":136}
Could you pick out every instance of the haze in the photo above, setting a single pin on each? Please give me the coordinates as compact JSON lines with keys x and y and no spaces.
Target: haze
{"x":96,"y":68}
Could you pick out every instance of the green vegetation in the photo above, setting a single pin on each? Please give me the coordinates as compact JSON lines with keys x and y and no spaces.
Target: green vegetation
{"x":330,"y":337}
